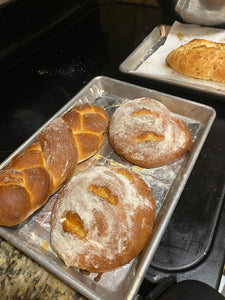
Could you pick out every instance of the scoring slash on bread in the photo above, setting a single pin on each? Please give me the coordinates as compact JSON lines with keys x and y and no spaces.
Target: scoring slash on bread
{"x":32,"y":176}
{"x":102,"y":218}
{"x":199,"y":58}
{"x":146,"y":133}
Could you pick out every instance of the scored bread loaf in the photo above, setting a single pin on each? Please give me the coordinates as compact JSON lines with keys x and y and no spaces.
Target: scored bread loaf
{"x":39,"y":170}
{"x":102,"y":218}
{"x":146,"y":133}
{"x":199,"y":58}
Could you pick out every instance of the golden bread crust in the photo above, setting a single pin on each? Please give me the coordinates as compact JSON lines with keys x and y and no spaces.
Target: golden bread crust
{"x":42,"y":168}
{"x":59,"y":152}
{"x":88,"y":123}
{"x":199,"y":58}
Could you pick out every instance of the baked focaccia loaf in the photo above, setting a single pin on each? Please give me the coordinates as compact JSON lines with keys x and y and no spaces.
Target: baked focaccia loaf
{"x":102,"y":218}
{"x":199,"y":58}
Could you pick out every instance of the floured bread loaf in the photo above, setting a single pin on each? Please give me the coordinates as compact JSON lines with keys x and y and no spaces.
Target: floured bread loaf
{"x":102,"y":218}
{"x":199,"y":59}
{"x":146,"y":133}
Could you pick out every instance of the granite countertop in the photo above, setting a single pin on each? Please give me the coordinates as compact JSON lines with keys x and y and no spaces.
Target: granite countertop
{"x":22,"y":278}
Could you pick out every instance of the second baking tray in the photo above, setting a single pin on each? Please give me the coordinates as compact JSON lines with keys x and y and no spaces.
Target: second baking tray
{"x":149,"y":45}
{"x":167,"y":183}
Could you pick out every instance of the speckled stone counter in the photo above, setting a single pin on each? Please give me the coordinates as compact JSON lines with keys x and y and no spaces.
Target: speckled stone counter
{"x":22,"y":278}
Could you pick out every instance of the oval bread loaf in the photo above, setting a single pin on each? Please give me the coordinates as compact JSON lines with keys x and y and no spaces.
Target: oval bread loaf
{"x":146,"y":133}
{"x":199,"y":58}
{"x":102,"y":218}
{"x":38,"y":171}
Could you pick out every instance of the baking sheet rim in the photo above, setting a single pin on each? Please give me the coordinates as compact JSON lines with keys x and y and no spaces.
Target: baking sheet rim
{"x":137,"y":279}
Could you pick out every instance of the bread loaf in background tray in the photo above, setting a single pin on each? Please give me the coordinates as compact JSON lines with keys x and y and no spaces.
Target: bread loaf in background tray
{"x":32,"y":176}
{"x":199,"y":58}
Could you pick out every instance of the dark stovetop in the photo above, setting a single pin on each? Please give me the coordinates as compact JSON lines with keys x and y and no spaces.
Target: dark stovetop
{"x":54,"y":69}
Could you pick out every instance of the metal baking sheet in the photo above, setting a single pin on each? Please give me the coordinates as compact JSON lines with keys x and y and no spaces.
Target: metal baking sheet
{"x":167,"y":183}
{"x":149,"y":45}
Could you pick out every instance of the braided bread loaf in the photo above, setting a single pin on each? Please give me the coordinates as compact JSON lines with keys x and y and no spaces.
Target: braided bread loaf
{"x":27,"y":182}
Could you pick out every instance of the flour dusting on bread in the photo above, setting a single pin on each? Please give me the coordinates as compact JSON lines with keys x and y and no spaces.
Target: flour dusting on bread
{"x":116,"y":233}
{"x":147,"y":134}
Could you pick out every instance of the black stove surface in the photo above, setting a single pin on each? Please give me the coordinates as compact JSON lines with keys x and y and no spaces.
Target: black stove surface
{"x":34,"y":88}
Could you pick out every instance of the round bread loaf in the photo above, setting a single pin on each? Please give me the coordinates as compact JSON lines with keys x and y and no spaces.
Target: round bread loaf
{"x":146,"y":133}
{"x":102,"y":218}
